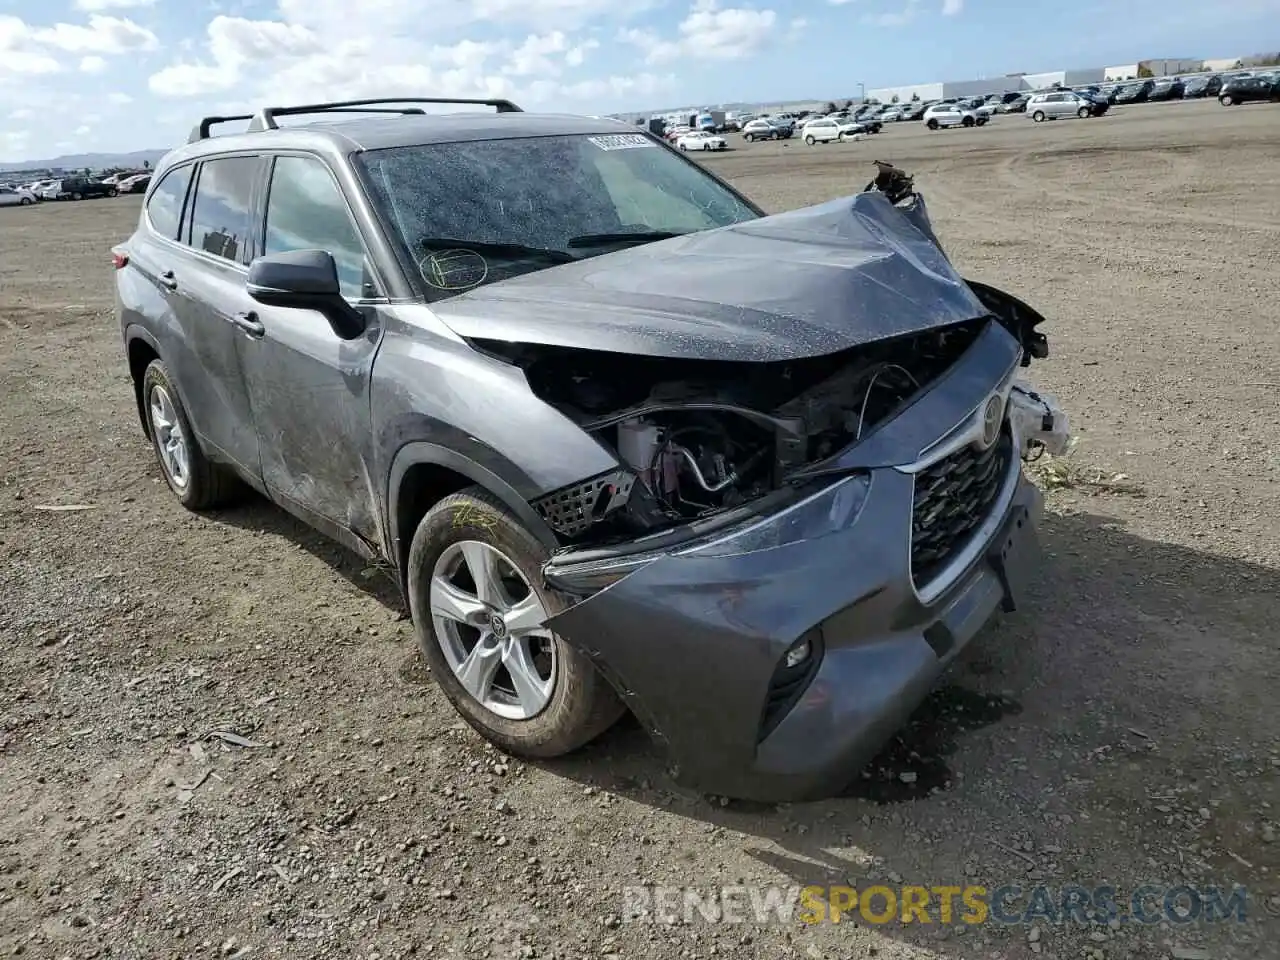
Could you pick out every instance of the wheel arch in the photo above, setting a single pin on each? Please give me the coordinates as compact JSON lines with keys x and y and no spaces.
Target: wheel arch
{"x":140,"y":349}
{"x":422,"y":474}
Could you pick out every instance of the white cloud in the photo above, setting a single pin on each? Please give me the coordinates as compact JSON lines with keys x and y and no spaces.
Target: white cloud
{"x":83,"y":129}
{"x":578,"y":55}
{"x":111,"y":35}
{"x":22,"y":113}
{"x":92,"y":64}
{"x":119,"y":99}
{"x":951,"y":8}
{"x":233,"y":43}
{"x":710,"y":32}
{"x":897,"y":18}
{"x":92,"y":6}
{"x":18,"y":53}
{"x":538,"y":56}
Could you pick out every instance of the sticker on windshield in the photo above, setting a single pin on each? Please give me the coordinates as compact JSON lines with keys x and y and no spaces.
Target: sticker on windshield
{"x":622,"y":141}
{"x":453,"y":270}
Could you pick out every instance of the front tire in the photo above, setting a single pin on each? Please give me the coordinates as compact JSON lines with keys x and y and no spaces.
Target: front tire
{"x":198,"y":483}
{"x":967,"y":122}
{"x":1226,"y":100}
{"x":1038,"y":116}
{"x":25,"y":202}
{"x":478,"y":605}
{"x":1083,"y":113}
{"x":76,"y":196}
{"x":810,"y":141}
{"x":113,"y":192}
{"x":932,"y":124}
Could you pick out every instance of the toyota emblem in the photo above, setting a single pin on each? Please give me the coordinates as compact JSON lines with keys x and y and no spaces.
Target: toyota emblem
{"x":992,"y":418}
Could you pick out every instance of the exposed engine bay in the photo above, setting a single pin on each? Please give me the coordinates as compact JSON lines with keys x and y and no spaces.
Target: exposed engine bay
{"x":697,"y":437}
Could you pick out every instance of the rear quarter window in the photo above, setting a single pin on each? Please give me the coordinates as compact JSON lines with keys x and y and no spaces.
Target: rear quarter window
{"x":164,"y":206}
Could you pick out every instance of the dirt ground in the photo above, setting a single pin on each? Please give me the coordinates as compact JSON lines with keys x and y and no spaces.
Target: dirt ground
{"x":1124,"y":733}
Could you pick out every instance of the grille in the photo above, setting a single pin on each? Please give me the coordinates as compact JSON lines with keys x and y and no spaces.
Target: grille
{"x":952,"y":499}
{"x":572,"y":510}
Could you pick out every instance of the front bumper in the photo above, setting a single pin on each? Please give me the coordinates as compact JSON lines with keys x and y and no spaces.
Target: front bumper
{"x":694,"y":640}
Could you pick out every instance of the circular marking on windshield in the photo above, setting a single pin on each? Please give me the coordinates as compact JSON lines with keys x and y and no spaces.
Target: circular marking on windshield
{"x":453,"y":269}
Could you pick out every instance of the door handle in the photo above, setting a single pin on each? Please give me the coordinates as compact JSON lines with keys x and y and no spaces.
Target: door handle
{"x":250,"y":324}
{"x":168,"y":280}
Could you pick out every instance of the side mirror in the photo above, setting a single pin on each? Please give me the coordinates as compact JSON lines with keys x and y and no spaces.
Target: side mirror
{"x":304,"y":280}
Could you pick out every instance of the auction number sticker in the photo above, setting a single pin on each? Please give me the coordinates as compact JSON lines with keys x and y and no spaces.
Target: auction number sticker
{"x":622,"y":141}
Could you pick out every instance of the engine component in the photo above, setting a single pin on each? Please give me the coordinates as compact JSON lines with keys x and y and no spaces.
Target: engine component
{"x":637,"y":445}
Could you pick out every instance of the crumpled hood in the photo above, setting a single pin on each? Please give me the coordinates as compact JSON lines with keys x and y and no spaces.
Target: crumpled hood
{"x":804,"y":283}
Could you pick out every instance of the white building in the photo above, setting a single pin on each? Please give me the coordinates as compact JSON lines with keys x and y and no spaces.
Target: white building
{"x":1063,"y":78}
{"x":1156,"y":68}
{"x":980,"y":88}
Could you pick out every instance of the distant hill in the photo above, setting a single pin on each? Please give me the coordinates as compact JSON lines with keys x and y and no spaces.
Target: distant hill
{"x":94,"y":161}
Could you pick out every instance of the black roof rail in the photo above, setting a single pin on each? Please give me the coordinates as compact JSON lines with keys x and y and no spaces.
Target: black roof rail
{"x":265,"y":119}
{"x":201,"y":130}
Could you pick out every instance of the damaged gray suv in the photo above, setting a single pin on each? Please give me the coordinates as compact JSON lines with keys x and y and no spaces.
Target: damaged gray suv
{"x":628,"y":442}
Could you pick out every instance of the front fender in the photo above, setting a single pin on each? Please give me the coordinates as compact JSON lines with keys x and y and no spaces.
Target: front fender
{"x":1015,"y":316}
{"x":420,"y":452}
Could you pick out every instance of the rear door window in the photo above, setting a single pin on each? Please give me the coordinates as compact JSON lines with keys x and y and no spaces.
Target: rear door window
{"x":220,"y":218}
{"x":164,"y":207}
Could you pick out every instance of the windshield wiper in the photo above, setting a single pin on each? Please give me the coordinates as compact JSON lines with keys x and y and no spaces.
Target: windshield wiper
{"x":497,"y":249}
{"x":635,"y":236}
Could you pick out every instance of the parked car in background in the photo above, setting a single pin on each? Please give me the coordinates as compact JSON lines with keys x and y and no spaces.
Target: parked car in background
{"x":914,"y":111}
{"x":1134,"y":92}
{"x":767,"y":129}
{"x":952,"y":115}
{"x":1166,"y":88}
{"x":81,"y":188}
{"x":16,"y":197}
{"x":1055,"y":106}
{"x":1262,"y":86}
{"x":891,"y":115}
{"x":826,"y":129}
{"x":1197,"y":87}
{"x":701,"y":140}
{"x":138,"y":183}
{"x":1018,"y":104}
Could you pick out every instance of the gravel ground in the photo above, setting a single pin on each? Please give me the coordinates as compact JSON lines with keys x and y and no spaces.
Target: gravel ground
{"x":1122,"y":734}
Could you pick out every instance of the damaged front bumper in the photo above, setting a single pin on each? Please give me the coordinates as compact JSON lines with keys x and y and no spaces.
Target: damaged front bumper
{"x":774,"y":659}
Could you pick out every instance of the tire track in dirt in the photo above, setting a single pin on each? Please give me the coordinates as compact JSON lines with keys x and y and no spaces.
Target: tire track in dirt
{"x":1012,"y":172}
{"x":1070,"y":232}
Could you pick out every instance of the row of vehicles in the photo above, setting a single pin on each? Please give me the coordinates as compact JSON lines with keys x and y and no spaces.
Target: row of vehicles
{"x":74,"y":188}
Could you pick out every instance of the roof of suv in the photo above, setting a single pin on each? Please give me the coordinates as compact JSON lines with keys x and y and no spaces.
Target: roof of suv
{"x":378,"y":132}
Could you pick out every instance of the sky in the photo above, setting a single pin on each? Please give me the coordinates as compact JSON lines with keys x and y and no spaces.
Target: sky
{"x":117,"y":75}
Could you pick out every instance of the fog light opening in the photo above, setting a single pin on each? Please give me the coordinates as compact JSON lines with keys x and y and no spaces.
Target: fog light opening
{"x":800,"y":651}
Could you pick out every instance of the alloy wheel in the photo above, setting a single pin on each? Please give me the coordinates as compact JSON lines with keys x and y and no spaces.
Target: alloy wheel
{"x":171,"y":442}
{"x":490,"y":624}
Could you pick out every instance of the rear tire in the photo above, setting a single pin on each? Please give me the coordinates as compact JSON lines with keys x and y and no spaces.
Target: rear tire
{"x":75,"y":196}
{"x":25,"y":202}
{"x":581,"y":704}
{"x":200,"y":484}
{"x":113,"y":192}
